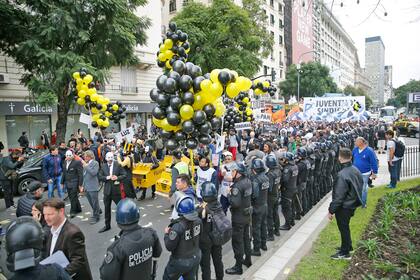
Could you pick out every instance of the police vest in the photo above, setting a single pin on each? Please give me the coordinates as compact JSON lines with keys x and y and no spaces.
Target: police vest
{"x":203,"y":176}
{"x":182,"y":167}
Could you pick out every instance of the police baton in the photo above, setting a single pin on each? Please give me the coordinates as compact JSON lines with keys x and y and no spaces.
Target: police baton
{"x":299,"y":202}
{"x":154,"y":268}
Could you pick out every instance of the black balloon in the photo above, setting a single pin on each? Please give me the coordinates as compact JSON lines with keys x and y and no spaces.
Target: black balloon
{"x":172,"y":26}
{"x":207,"y":76}
{"x":185,"y":45}
{"x":175,"y":37}
{"x":173,"y":119}
{"x":166,"y":134}
{"x":196,"y":83}
{"x":169,"y":109}
{"x":224,"y":77}
{"x":94,"y":124}
{"x":188,"y":98}
{"x":199,"y":117}
{"x":183,"y":37}
{"x":191,"y":143}
{"x":175,"y":102}
{"x":185,"y":82}
{"x":204,"y":139}
{"x":158,"y":113}
{"x":209,"y":110}
{"x":171,"y":144}
{"x":179,"y":136}
{"x":174,"y":75}
{"x":87,"y":98}
{"x":170,"y":85}
{"x":216,"y":123}
{"x":195,"y":71}
{"x":163,"y":100}
{"x":99,"y":106}
{"x":189,"y":66}
{"x":160,"y":82}
{"x":205,"y":128}
{"x":188,"y":127}
{"x":179,"y":67}
{"x":181,"y":51}
{"x":119,"y":103}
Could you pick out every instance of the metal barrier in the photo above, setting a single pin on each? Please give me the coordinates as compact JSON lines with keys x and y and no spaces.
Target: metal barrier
{"x":410,"y":165}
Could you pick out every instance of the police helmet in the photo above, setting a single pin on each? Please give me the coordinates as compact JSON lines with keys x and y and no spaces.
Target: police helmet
{"x":289,"y":156}
{"x":185,"y":207}
{"x":24,"y":243}
{"x":177,"y":154}
{"x":271,"y":161}
{"x":258,"y":165}
{"x":329,"y":144}
{"x":208,"y":191}
{"x":323,"y":147}
{"x":239,"y":167}
{"x":301,"y":152}
{"x":127,"y":212}
{"x":342,"y":143}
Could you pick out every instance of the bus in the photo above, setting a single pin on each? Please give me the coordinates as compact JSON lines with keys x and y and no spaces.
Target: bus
{"x":388,"y":114}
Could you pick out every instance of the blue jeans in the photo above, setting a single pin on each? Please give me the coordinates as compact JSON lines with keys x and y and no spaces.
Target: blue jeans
{"x":55,"y":182}
{"x":393,"y":172}
{"x":399,"y":162}
{"x":365,"y":189}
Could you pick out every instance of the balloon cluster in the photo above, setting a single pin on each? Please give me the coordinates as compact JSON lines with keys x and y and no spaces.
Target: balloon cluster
{"x":243,"y":104}
{"x":189,"y":104}
{"x":174,"y":47}
{"x":101,"y":108}
{"x":262,"y":87}
{"x":232,"y":116}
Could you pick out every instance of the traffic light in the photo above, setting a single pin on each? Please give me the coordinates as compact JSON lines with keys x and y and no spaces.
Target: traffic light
{"x":273,"y":75}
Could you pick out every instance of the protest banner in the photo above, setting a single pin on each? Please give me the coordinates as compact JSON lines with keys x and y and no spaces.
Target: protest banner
{"x":243,"y":125}
{"x":126,"y":133}
{"x":337,"y":107}
{"x":269,"y":128}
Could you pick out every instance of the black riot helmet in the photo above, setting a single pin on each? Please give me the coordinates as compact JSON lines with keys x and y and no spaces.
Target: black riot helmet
{"x":208,"y":191}
{"x":258,"y":165}
{"x":239,"y":167}
{"x":24,"y":243}
{"x":323,"y":147}
{"x":302,"y":153}
{"x":271,"y":161}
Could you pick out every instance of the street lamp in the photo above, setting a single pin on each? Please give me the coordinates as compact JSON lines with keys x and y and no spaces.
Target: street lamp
{"x":298,"y":73}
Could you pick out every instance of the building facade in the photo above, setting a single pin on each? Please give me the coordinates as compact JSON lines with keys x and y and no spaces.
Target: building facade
{"x":130,"y":85}
{"x":274,"y":9}
{"x":361,"y":80}
{"x":388,"y":89}
{"x":375,"y":68}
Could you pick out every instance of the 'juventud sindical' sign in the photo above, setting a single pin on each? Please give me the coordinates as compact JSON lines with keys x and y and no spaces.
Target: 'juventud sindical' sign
{"x":339,"y":107}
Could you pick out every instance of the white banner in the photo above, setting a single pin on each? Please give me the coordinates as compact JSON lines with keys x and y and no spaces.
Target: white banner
{"x":220,"y":143}
{"x":243,"y":125}
{"x":333,"y":108}
{"x":262,"y":117}
{"x":126,"y":133}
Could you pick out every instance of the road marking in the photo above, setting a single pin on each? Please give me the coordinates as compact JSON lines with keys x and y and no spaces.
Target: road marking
{"x":85,"y":219}
{"x":159,"y":206}
{"x":80,"y":217}
{"x":141,"y":208}
{"x":149,"y":224}
{"x":149,"y":205}
{"x":144,"y":215}
{"x":163,"y":214}
{"x":4,"y":222}
{"x":87,"y":213}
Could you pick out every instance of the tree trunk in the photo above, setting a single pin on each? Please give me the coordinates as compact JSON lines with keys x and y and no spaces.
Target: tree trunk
{"x":63,"y":107}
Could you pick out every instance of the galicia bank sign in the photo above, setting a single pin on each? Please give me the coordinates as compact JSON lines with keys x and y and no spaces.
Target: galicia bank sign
{"x":24,"y":108}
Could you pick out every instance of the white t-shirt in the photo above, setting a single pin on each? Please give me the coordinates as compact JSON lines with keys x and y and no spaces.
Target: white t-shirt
{"x":391,"y":145}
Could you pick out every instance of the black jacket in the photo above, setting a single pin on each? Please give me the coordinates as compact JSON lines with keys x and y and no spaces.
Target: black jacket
{"x":240,"y":200}
{"x":24,"y":206}
{"x":72,"y":176}
{"x":347,"y":190}
{"x":109,"y":184}
{"x":213,"y":206}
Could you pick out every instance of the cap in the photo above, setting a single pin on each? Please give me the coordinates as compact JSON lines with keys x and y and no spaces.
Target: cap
{"x":34,"y":185}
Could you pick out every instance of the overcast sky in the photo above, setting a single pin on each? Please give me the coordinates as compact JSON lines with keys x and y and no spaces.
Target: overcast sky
{"x":399,"y":30}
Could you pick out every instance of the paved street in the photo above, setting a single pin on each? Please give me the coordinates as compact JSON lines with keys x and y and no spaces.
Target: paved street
{"x":154,"y":213}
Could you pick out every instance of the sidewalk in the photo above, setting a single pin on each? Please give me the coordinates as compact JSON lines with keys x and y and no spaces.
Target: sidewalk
{"x":287,"y":252}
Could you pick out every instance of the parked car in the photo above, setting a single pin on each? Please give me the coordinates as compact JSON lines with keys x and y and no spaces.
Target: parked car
{"x":30,"y":171}
{"x":408,"y":128}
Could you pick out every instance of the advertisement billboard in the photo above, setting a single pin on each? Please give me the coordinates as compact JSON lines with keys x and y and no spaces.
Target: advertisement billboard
{"x":302,"y":38}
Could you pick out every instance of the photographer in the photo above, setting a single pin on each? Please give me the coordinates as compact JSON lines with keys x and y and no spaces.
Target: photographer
{"x":8,"y":166}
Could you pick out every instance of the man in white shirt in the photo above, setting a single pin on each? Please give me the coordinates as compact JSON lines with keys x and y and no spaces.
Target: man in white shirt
{"x":392,"y":159}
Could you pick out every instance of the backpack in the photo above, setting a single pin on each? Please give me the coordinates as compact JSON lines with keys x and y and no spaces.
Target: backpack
{"x":399,"y":148}
{"x":221,"y":228}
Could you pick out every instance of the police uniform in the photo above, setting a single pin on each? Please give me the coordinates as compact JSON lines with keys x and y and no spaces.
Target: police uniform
{"x":324,"y":173}
{"x":330,"y":168}
{"x":183,"y":242}
{"x":260,"y":185}
{"x":310,"y":182}
{"x":273,"y":219}
{"x":303,"y":167}
{"x":317,"y":176}
{"x":241,"y":209}
{"x":288,"y":191}
{"x":131,"y":255}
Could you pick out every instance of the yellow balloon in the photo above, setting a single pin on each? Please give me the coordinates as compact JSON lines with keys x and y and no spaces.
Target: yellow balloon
{"x":245,"y":100}
{"x":100,"y":100}
{"x":157,"y":122}
{"x":220,"y":110}
{"x":105,"y":123}
{"x":165,"y":125}
{"x":266,"y":83}
{"x":198,"y":102}
{"x":81,"y":93}
{"x":187,"y":111}
{"x":95,"y":117}
{"x":162,"y":48}
{"x":88,"y":78}
{"x":84,"y":87}
{"x":232,"y":90}
{"x":187,"y":50}
{"x":243,"y":83}
{"x":214,"y":75}
{"x":106,"y":100}
{"x":168,"y":54}
{"x":216,"y":89}
{"x":81,"y":101}
{"x":91,"y":91}
{"x":94,"y":97}
{"x":79,"y":81}
{"x":94,"y":110}
{"x":168,"y":65}
{"x":100,"y":122}
{"x":205,"y":85}
{"x":115,"y":107}
{"x":162,"y":57}
{"x":258,"y":91}
{"x":108,"y":114}
{"x":76,"y":75}
{"x":168,"y":44}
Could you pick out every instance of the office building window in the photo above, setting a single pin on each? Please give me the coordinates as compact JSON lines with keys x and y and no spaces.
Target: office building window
{"x":280,"y":24}
{"x":280,"y":8}
{"x":281,"y":74}
{"x":272,"y":3}
{"x":272,"y":35}
{"x":128,"y":79}
{"x":265,"y":70}
{"x":280,"y":40}
{"x":271,"y":19}
{"x":172,"y":6}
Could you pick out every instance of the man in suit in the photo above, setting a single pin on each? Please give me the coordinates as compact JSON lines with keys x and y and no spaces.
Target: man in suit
{"x":66,"y":237}
{"x":112,"y":174}
{"x":91,"y":184}
{"x":73,"y":178}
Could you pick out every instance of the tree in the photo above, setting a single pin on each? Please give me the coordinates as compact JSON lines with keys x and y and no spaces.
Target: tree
{"x":224,"y":35}
{"x":400,"y":93}
{"x":315,"y":80}
{"x":52,"y":39}
{"x":359,"y":92}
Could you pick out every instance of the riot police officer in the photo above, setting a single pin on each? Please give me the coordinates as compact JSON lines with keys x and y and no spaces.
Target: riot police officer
{"x":318,"y":172}
{"x":303,"y":168}
{"x":210,"y":207}
{"x":24,"y":246}
{"x":274,"y":176}
{"x":182,"y":240}
{"x":241,"y":209}
{"x":288,"y":189}
{"x":260,"y":185}
{"x":131,"y":255}
{"x":324,"y":172}
{"x":310,"y":182}
{"x":330,"y":165}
